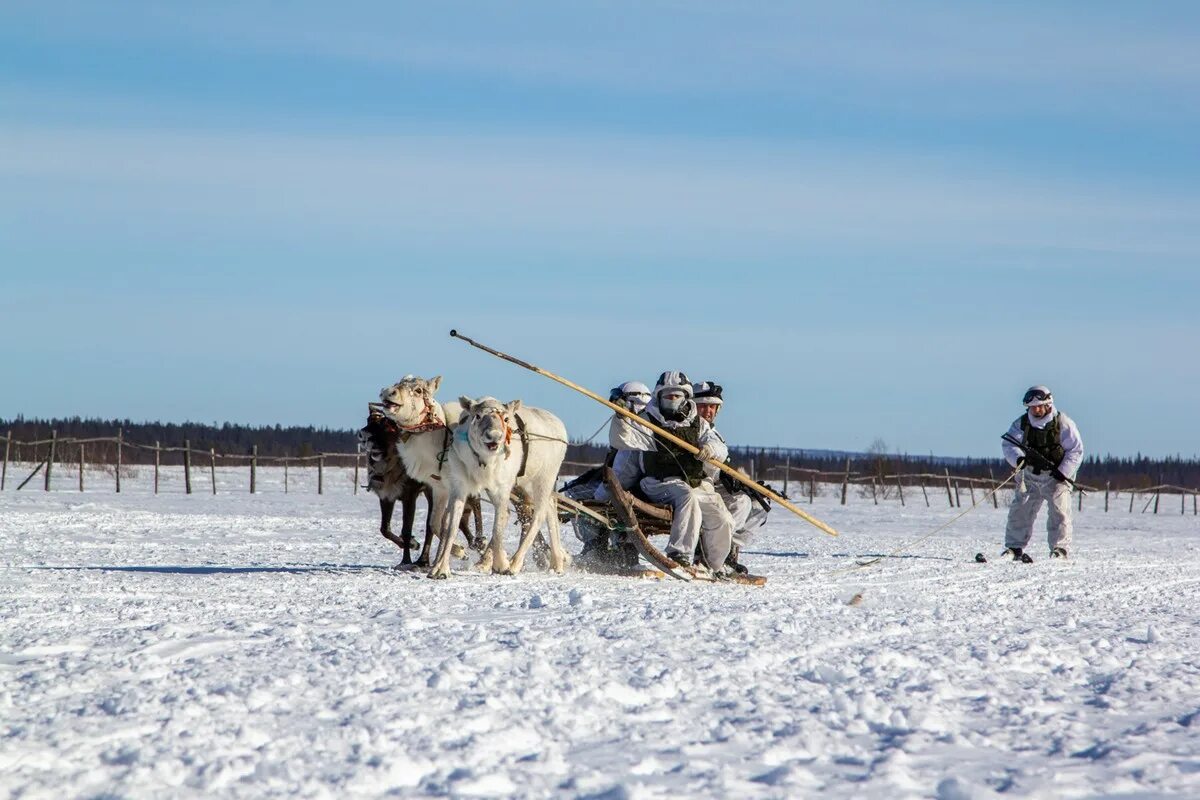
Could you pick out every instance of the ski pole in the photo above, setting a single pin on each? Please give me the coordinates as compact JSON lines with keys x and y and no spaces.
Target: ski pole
{"x":728,"y":470}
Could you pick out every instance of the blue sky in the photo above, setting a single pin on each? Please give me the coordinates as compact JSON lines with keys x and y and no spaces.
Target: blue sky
{"x":864,"y":219}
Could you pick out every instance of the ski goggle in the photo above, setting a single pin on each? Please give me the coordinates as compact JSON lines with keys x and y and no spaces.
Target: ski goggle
{"x":1037,"y":397}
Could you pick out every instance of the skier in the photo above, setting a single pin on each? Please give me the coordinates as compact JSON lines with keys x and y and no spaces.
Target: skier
{"x":1048,"y":457}
{"x":746,"y":512}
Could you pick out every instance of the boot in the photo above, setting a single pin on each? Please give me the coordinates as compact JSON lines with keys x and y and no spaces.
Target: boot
{"x":732,"y":561}
{"x":1018,"y":554}
{"x":682,"y":559}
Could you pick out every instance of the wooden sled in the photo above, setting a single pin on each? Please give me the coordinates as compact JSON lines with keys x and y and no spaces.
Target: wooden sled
{"x":636,"y":520}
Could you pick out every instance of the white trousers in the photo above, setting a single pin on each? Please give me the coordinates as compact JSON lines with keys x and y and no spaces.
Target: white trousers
{"x":746,"y":513}
{"x":1032,"y":492}
{"x":699,"y":513}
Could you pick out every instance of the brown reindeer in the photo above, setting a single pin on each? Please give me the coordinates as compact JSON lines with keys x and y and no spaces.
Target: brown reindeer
{"x":388,"y":480}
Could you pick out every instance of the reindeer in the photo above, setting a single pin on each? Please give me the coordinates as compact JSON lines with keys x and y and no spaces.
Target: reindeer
{"x":422,"y":443}
{"x":387,"y":478}
{"x":486,"y":459}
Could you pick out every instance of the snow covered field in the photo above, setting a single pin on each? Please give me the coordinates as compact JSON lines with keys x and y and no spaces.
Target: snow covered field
{"x":238,"y":645}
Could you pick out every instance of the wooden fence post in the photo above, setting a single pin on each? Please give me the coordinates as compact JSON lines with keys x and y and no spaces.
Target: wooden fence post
{"x":1131,"y":495}
{"x":50,"y":458}
{"x":787,"y":469}
{"x":995,"y":488}
{"x":7,"y":448}
{"x":1157,"y":494}
{"x":1107,"y":486}
{"x":900,"y":489}
{"x":924,"y":492}
{"x":187,"y":466}
{"x":212,"y":467}
{"x":285,"y":476}
{"x":357,"y":458}
{"x":971,"y":486}
{"x":812,"y":488}
{"x":253,"y":468}
{"x":81,"y":467}
{"x":157,"y":460}
{"x":1182,"y":499}
{"x":120,"y":441}
{"x":949,"y":492}
{"x":1080,"y":506}
{"x":846,"y":481}
{"x":753,"y":470}
{"x":957,"y":494}
{"x":874,"y":494}
{"x":321,"y":474}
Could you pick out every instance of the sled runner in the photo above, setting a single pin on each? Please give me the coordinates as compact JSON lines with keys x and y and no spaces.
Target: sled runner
{"x":634,"y":521}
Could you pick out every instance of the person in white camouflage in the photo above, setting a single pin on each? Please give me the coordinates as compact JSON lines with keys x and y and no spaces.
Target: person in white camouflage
{"x":747,"y":512}
{"x":668,"y":474}
{"x":1047,"y":459}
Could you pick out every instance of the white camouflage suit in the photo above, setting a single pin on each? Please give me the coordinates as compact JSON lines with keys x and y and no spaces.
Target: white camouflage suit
{"x":1033,"y":490}
{"x":747,"y":515}
{"x":699,"y":513}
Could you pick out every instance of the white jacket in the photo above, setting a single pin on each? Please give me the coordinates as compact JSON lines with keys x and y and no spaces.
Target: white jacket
{"x":628,"y":467}
{"x":1068,"y":437}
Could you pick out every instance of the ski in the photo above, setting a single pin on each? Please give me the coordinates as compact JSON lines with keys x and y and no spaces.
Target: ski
{"x":1024,"y":558}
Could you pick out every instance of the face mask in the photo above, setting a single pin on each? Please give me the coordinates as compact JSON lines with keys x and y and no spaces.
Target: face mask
{"x":671,"y":401}
{"x":636,"y":401}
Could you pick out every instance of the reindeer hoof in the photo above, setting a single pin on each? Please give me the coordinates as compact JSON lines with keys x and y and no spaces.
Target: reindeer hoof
{"x":458,"y":551}
{"x":438,"y":576}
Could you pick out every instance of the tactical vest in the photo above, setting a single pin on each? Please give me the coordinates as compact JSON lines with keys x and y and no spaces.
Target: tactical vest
{"x":671,"y":461}
{"x":1044,"y":440}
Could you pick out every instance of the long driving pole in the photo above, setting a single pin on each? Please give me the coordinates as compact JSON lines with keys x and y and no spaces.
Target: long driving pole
{"x":728,"y":470}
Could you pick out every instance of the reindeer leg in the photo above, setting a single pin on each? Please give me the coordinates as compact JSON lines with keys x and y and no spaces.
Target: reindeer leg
{"x":559,"y":558}
{"x":385,"y":521}
{"x":423,"y":559}
{"x":408,"y":512}
{"x":477,"y":511}
{"x":500,"y":562}
{"x":486,"y":554}
{"x":443,"y":522}
{"x":528,"y":534}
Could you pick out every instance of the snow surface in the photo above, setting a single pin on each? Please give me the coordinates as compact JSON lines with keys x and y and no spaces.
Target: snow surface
{"x":243,"y":646}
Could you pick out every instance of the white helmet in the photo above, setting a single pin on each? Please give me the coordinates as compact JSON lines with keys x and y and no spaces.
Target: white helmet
{"x":634,"y":395}
{"x":1037,"y":396}
{"x":672,"y":382}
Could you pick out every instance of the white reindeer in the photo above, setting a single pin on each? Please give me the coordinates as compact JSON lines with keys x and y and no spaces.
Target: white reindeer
{"x":424,"y":436}
{"x":490,"y":457}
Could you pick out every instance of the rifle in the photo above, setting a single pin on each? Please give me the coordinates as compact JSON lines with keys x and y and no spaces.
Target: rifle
{"x":733,"y":487}
{"x":1040,"y":460}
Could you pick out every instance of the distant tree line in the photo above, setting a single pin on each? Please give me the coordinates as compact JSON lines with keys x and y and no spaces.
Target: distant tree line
{"x":272,"y":440}
{"x":279,"y":441}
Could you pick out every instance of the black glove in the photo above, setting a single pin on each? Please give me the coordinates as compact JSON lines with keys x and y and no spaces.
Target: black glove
{"x":729,"y":482}
{"x":1058,"y":476}
{"x":1021,"y":462}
